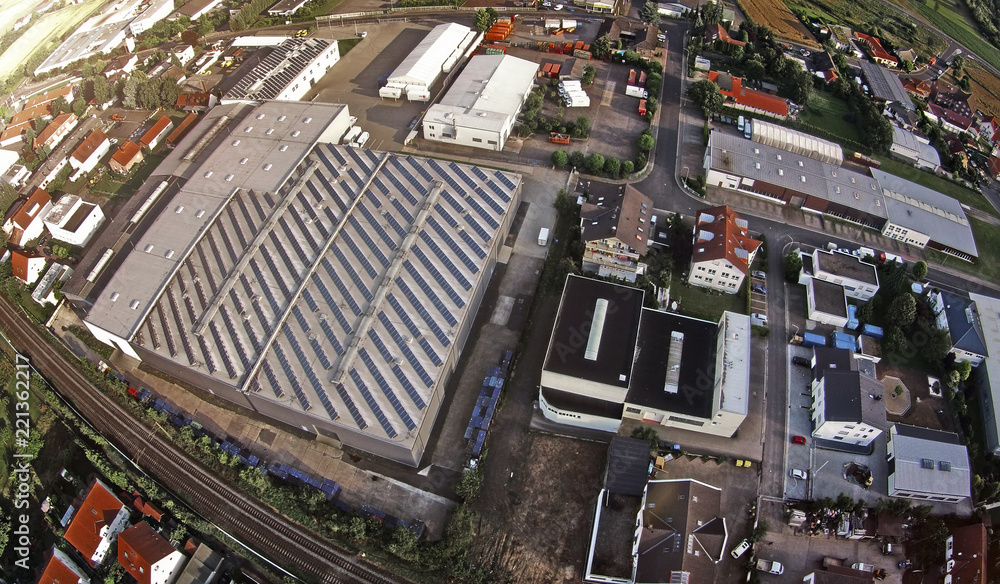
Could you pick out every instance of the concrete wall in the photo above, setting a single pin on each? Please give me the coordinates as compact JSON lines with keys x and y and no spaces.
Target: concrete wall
{"x":571,"y":418}
{"x":727,"y":277}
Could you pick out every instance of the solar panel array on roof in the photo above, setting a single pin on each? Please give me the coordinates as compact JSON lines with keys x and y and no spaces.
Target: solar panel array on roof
{"x":272,"y":76}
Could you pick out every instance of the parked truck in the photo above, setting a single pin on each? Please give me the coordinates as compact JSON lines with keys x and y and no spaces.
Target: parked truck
{"x":770,"y":566}
{"x":636,"y":91}
{"x":642,"y":107}
{"x":631,"y":77}
{"x":543,"y":236}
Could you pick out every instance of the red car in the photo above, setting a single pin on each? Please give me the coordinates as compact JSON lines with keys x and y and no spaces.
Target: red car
{"x":798,"y":439}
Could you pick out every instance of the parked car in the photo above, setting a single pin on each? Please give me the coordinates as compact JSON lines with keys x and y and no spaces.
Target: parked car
{"x":740,"y":549}
{"x":798,"y":473}
{"x":760,"y":274}
{"x":798,"y":439}
{"x":758,"y":289}
{"x":801,"y":361}
{"x":758,"y":319}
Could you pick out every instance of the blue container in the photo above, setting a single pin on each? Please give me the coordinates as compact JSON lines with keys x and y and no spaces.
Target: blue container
{"x":873,"y":331}
{"x":813,"y":340}
{"x":843,"y":341}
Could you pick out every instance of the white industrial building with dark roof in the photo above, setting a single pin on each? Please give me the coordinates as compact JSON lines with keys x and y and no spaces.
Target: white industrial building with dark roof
{"x":482,"y":105}
{"x":444,"y":47}
{"x":287,"y":73}
{"x":896,"y":207}
{"x":297,"y":278}
{"x":609,"y":358}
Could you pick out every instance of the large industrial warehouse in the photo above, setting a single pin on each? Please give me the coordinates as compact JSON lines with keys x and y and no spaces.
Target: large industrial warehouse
{"x":482,"y":105}
{"x":326,"y":287}
{"x":442,"y":49}
{"x":287,"y":73}
{"x":896,"y":207}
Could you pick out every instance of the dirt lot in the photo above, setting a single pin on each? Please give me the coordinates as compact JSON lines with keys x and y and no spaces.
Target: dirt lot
{"x":923,"y":407}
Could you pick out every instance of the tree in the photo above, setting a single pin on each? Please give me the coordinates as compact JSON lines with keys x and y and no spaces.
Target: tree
{"x":737,"y":55}
{"x":190,"y":37}
{"x":649,"y":434}
{"x":483,"y":23}
{"x":759,"y":532}
{"x":958,"y":63}
{"x":60,"y":106}
{"x":707,"y":96}
{"x":902,"y":311}
{"x":589,"y":72}
{"x":612,"y":166}
{"x":919,"y":270}
{"x":101,"y":89}
{"x":793,"y":265}
{"x":628,"y":167}
{"x":29,"y":136}
{"x":754,"y":67}
{"x":645,"y":142}
{"x":650,"y":13}
{"x":595,"y":162}
{"x":964,"y":369}
{"x":798,"y":86}
{"x":577,"y":159}
{"x":79,"y":107}
{"x":581,"y":128}
{"x":894,"y":341}
{"x":560,"y":158}
{"x":472,"y":480}
{"x":601,"y":47}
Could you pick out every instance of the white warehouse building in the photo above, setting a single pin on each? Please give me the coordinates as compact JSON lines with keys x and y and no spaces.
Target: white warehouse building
{"x":287,"y":73}
{"x":74,"y":220}
{"x":443,"y":48}
{"x":483,"y":103}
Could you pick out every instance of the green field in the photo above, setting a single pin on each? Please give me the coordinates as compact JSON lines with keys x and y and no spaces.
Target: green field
{"x":44,"y":34}
{"x":941,"y":185}
{"x":701,"y":303}
{"x":827,"y":112}
{"x":11,"y":10}
{"x":987,"y":266}
{"x":951,"y":20}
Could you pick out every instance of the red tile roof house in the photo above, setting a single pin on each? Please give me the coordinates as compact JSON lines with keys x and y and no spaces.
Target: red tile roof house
{"x":97,"y":523}
{"x":952,"y":121}
{"x":65,"y":92}
{"x":25,"y":221}
{"x":158,"y":132}
{"x":994,"y":164}
{"x":61,"y":569}
{"x":22,"y":120}
{"x":876,"y":51}
{"x":128,"y":155}
{"x":950,"y":97}
{"x":719,"y":32}
{"x":26,"y":265}
{"x":86,"y":156}
{"x":56,"y":131}
{"x":965,"y":555}
{"x":750,"y":99}
{"x":723,"y":250}
{"x":147,"y":556}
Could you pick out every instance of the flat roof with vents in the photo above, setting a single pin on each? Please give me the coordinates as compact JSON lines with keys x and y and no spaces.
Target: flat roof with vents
{"x":930,"y":462}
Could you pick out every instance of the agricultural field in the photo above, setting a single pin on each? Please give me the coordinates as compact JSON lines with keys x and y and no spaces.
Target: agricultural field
{"x":952,"y":18}
{"x":776,"y":15}
{"x":12,"y":10}
{"x":985,"y":88}
{"x":44,"y":34}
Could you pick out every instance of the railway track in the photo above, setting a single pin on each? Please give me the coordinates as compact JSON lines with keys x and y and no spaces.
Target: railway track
{"x":261,"y":528}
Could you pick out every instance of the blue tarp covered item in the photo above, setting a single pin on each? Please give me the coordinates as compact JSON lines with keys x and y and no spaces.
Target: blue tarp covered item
{"x":852,"y":317}
{"x":813,"y":340}
{"x":872,"y":331}
{"x":843,"y":341}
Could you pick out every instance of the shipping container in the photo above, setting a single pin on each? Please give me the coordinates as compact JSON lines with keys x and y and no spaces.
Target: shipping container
{"x":554,"y":72}
{"x":582,"y":55}
{"x":559,"y":138}
{"x":642,"y":107}
{"x":813,"y":340}
{"x":636,"y":91}
{"x":552,"y":23}
{"x":843,"y":341}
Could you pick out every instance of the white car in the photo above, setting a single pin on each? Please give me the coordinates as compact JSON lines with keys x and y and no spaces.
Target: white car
{"x":740,"y":549}
{"x":559,"y":6}
{"x":798,"y":473}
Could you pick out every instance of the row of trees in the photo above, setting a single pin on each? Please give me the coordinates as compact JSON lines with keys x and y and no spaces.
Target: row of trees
{"x":142,"y":92}
{"x":248,"y":14}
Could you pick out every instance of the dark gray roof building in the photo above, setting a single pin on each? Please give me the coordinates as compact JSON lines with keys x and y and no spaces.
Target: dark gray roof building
{"x":628,"y":466}
{"x":928,"y":465}
{"x":885,"y":84}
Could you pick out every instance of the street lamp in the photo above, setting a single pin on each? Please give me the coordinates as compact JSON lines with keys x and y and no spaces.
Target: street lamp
{"x":686,"y":172}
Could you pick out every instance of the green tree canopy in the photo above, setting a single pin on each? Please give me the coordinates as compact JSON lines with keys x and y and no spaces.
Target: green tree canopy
{"x":612,"y":166}
{"x":706,"y":95}
{"x":650,"y":13}
{"x":919,"y":270}
{"x":902,"y":311}
{"x":645,"y":142}
{"x":560,"y":158}
{"x":793,"y":265}
{"x":595,"y":162}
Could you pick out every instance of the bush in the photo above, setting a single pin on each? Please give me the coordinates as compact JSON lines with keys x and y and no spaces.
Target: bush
{"x":793,"y":265}
{"x":612,"y":166}
{"x":628,"y":167}
{"x":577,"y":159}
{"x":595,"y":162}
{"x":560,"y":158}
{"x":645,"y":142}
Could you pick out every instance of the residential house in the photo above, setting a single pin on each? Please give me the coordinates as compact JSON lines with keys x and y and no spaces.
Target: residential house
{"x":25,"y":218}
{"x":44,"y":292}
{"x":196,"y":102}
{"x":15,"y":175}
{"x":927,"y":465}
{"x":637,"y":36}
{"x":184,"y":54}
{"x":907,"y":55}
{"x":157,"y":133}
{"x":876,"y":51}
{"x":989,"y":128}
{"x":616,"y":234}
{"x":950,"y":97}
{"x":717,"y":32}
{"x":286,"y":7}
{"x":858,"y":277}
{"x":55,"y":131}
{"x":847,"y":406}
{"x":97,"y":523}
{"x":723,"y":250}
{"x":600,"y":6}
{"x":965,"y":553}
{"x":66,"y":92}
{"x":994,"y":165}
{"x":748,"y":99}
{"x":19,"y":123}
{"x":88,"y":154}
{"x":203,"y":567}
{"x":917,"y":87}
{"x":128,"y":155}
{"x":823,"y":66}
{"x":175,"y":137}
{"x":194,"y":9}
{"x":959,"y":315}
{"x":155,"y":12}
{"x":951,"y":121}
{"x":840,"y":36}
{"x":147,"y":556}
{"x":74,"y":220}
{"x":123,"y":65}
{"x":61,"y":569}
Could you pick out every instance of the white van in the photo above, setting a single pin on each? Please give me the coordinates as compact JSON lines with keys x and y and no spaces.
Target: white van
{"x":361,"y":141}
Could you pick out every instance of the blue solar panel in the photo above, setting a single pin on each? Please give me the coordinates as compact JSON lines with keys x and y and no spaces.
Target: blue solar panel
{"x":409,"y":177}
{"x":402,"y":210}
{"x":450,"y":265}
{"x":387,"y":390}
{"x":420,"y":169}
{"x":351,"y":407}
{"x":497,"y":207}
{"x":356,"y":177}
{"x":331,"y":336}
{"x":506,"y":181}
{"x":317,"y":348}
{"x":353,"y":246}
{"x":403,"y":315}
{"x":291,"y":266}
{"x":408,"y":387}
{"x":373,"y":199}
{"x":462,"y":174}
{"x":438,"y":277}
{"x":431,"y":353}
{"x":292,"y":379}
{"x":232,"y":249}
{"x":401,"y":189}
{"x":310,"y":301}
{"x":356,"y":155}
{"x":410,"y":357}
{"x":446,"y":215}
{"x":336,"y":195}
{"x":241,"y":351}
{"x":332,"y":304}
{"x":317,"y":385}
{"x":428,"y":319}
{"x":429,"y":292}
{"x":480,"y":231}
{"x":499,"y":191}
{"x":382,"y":349}
{"x":276,"y":273}
{"x":372,"y":404}
{"x":377,"y":226}
{"x":453,"y":245}
{"x":262,"y":284}
{"x":479,"y":173}
{"x":484,"y":214}
{"x":291,"y":238}
{"x":314,"y":244}
{"x":341,"y":287}
{"x":352,"y":273}
{"x":453,"y":201}
{"x":396,"y":225}
{"x":324,"y":157}
{"x":476,"y":248}
{"x":272,"y":379}
{"x":380,"y":184}
{"x":372,"y":246}
{"x":251,"y":224}
{"x":221,"y":347}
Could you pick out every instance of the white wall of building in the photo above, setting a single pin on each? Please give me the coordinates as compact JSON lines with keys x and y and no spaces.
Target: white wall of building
{"x":585,"y":387}
{"x":905,"y":235}
{"x":576,"y":419}
{"x":848,"y":432}
{"x":83,"y":233}
{"x":91,"y":162}
{"x":715,"y":178}
{"x":311,"y":74}
{"x":719,"y":275}
{"x":853,"y":288}
{"x":112,"y":340}
{"x":813,"y":313}
{"x":109,"y":533}
{"x":163,"y":571}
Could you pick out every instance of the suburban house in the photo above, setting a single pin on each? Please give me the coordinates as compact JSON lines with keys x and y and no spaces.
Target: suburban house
{"x":616,"y":234}
{"x":19,"y":123}
{"x":88,"y":154}
{"x":66,"y":92}
{"x":858,"y":277}
{"x":55,"y":132}
{"x":965,"y":555}
{"x":723,"y":250}
{"x":147,"y":556}
{"x":823,"y":67}
{"x":643,"y":364}
{"x":157,"y":133}
{"x":123,"y":65}
{"x":128,"y":155}
{"x":927,"y":465}
{"x":196,"y":102}
{"x":847,"y":404}
{"x":717,"y":32}
{"x":875,"y":50}
{"x":950,"y":97}
{"x":24,"y":219}
{"x":184,"y":54}
{"x":917,"y":87}
{"x":952,"y":121}
{"x":61,"y":569}
{"x":44,"y":292}
{"x":751,"y":100}
{"x":960,"y":317}
{"x":74,"y":220}
{"x":97,"y":523}
{"x":202,"y":568}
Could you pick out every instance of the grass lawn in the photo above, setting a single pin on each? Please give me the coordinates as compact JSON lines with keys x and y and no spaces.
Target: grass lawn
{"x":827,"y":112}
{"x":107,"y":186}
{"x":987,"y":242}
{"x":701,"y":303}
{"x":347,"y":44}
{"x":941,"y":185}
{"x":952,"y":20}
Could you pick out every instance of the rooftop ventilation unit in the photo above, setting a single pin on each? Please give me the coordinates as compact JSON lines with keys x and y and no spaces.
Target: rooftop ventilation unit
{"x":671,"y":383}
{"x":596,"y":330}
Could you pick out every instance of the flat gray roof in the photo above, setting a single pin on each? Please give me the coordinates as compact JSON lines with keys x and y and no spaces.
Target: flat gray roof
{"x":845,"y":265}
{"x":84,"y":43}
{"x":885,"y":84}
{"x":737,"y":155}
{"x":830,"y":298}
{"x":910,"y":141}
{"x":314,"y":289}
{"x":916,"y":449}
{"x":927,"y":211}
{"x":486,"y":94}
